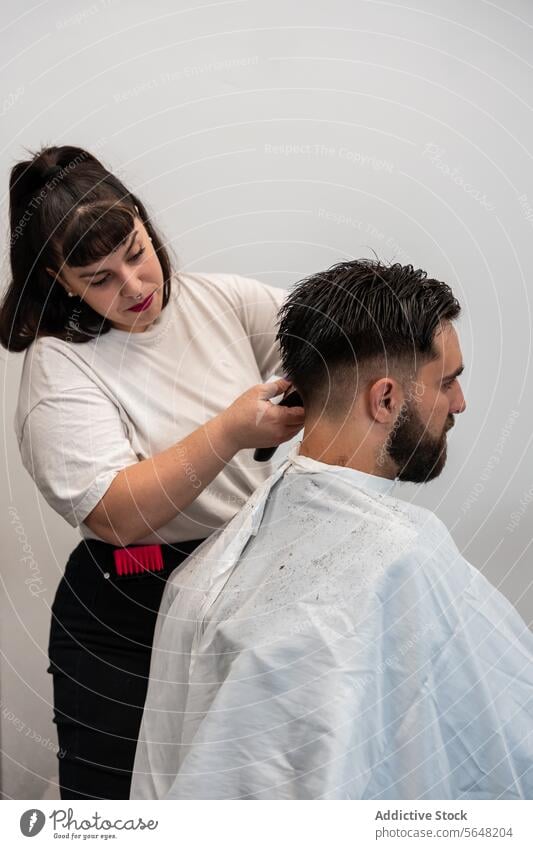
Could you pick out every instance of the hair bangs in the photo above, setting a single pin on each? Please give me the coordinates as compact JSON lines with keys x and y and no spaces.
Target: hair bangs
{"x":95,"y":231}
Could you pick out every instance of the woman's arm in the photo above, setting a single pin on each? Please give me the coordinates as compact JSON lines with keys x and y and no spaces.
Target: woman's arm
{"x":147,"y":495}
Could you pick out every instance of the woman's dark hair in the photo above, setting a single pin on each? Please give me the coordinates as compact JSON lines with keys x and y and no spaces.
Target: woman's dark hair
{"x":65,"y":208}
{"x":357,"y":311}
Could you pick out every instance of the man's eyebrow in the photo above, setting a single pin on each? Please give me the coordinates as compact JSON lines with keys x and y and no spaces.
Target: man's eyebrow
{"x":453,"y":375}
{"x":103,"y":270}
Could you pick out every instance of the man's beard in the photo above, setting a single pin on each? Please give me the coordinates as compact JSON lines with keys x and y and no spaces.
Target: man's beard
{"x":419,"y":456}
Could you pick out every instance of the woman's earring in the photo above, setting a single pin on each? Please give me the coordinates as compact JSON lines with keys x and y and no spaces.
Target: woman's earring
{"x":70,"y":294}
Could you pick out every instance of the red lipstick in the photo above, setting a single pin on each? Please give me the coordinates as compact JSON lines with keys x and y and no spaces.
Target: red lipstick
{"x":143,"y":305}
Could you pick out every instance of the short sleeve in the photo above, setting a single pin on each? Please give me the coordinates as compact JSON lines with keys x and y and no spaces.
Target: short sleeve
{"x":258,"y":307}
{"x":73,"y":444}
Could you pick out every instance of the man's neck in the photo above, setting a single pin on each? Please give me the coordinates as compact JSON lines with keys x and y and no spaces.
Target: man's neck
{"x":363,"y":455}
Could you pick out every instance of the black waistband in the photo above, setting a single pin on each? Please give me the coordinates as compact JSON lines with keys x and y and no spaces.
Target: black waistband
{"x":102,"y":553}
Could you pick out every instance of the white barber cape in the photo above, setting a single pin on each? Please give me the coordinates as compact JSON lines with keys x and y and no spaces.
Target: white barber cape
{"x":330,"y":642}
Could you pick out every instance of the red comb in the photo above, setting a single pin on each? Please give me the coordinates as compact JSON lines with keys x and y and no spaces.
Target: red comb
{"x":141,"y":558}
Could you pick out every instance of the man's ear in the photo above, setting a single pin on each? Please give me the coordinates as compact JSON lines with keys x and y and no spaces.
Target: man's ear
{"x":385,"y":398}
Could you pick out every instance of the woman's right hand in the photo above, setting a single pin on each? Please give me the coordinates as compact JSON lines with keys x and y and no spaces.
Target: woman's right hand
{"x":146,"y":495}
{"x":253,"y":421}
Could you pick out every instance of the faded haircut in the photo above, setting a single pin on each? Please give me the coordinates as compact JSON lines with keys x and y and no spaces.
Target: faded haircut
{"x":336,"y":324}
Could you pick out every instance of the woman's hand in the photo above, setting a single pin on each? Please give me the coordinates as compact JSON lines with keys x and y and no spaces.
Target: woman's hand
{"x":253,"y":421}
{"x":148,"y":494}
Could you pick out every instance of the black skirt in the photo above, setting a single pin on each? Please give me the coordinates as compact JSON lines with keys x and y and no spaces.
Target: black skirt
{"x":100,"y":645}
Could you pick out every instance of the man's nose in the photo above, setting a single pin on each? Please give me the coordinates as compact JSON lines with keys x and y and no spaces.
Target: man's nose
{"x":459,"y":403}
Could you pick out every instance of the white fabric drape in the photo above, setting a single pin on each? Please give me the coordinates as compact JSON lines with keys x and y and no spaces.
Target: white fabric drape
{"x":332,"y":642}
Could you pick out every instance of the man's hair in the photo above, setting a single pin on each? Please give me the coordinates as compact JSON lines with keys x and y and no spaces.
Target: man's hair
{"x":356,"y":313}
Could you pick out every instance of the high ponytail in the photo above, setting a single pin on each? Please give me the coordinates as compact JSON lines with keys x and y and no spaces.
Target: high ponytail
{"x":65,"y":207}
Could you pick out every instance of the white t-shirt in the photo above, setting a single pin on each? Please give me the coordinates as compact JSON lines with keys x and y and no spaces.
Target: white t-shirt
{"x":86,"y":411}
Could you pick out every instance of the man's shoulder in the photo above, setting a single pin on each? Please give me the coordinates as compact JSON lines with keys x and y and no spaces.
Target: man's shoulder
{"x":431,"y":557}
{"x":426,"y":523}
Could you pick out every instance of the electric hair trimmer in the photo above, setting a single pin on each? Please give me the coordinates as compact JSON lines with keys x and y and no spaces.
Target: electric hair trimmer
{"x":290,"y":400}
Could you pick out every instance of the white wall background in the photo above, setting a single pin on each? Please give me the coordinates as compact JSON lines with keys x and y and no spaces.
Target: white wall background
{"x":273,"y":139}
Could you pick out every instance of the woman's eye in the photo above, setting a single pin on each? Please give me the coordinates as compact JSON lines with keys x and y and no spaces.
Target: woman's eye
{"x":133,"y":258}
{"x":100,"y":282}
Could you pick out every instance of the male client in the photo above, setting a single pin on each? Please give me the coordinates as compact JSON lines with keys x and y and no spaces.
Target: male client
{"x":331,"y":642}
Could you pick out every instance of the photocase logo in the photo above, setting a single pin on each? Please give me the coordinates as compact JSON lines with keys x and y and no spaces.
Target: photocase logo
{"x":32,"y":822}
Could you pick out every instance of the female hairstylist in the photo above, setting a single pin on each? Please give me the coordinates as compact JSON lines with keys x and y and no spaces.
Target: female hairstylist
{"x":128,"y":424}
